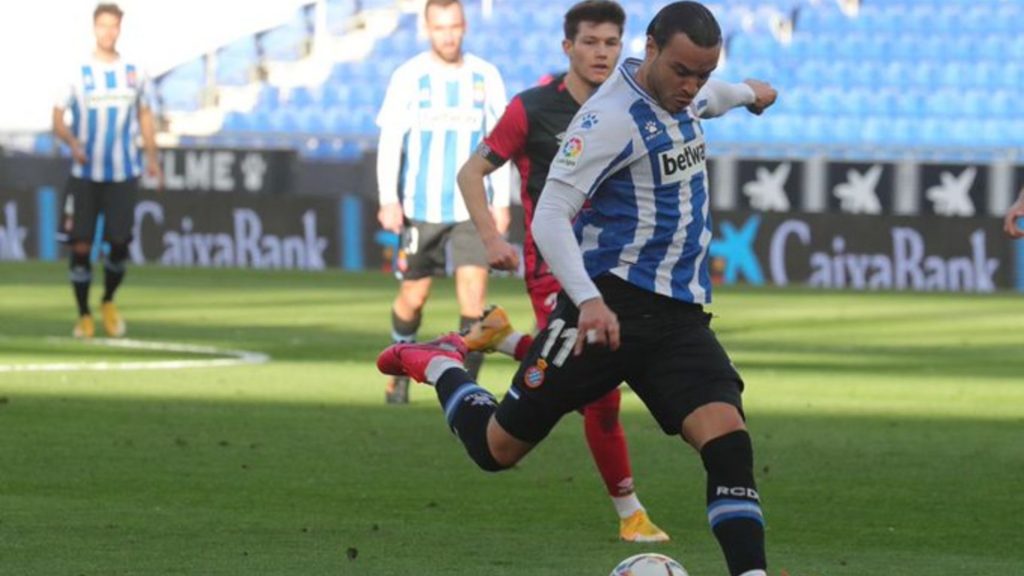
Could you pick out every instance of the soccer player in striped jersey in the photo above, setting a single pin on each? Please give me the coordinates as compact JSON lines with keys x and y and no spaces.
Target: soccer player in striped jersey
{"x":438,"y":106}
{"x":634,"y":276}
{"x":110,"y":101}
{"x":529,"y":134}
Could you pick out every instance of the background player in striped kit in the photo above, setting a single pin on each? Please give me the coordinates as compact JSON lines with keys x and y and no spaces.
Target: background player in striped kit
{"x":439,"y":105}
{"x":110,"y":101}
{"x":635,"y":153}
{"x":529,"y":134}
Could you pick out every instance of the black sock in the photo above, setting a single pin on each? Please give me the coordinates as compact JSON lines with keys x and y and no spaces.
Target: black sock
{"x":81,"y":279}
{"x":474,"y":360}
{"x":112,"y":277}
{"x":468,"y":408}
{"x":404,"y":330}
{"x":114,"y":269}
{"x":734,"y":509}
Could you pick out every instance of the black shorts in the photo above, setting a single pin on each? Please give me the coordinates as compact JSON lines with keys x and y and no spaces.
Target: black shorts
{"x":424,"y":248}
{"x":85,"y":200}
{"x":668,"y":355}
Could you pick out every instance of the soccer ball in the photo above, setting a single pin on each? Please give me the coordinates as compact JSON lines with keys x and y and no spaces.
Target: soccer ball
{"x":649,"y":564}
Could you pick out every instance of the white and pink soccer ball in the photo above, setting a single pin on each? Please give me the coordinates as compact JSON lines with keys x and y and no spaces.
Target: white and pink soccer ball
{"x":649,"y":564}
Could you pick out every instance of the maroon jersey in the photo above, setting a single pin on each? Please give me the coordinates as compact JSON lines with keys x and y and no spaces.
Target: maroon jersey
{"x":529,"y":134}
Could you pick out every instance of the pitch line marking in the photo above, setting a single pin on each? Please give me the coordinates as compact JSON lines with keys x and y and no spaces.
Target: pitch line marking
{"x":233,"y":357}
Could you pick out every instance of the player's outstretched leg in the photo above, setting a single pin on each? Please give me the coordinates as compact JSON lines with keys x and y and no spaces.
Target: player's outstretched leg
{"x":493,"y":332}
{"x":467,"y":407}
{"x":607,"y":441}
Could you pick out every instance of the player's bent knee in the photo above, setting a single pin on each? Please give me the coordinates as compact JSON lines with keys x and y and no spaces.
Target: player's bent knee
{"x":118,"y":251}
{"x":711,"y":421}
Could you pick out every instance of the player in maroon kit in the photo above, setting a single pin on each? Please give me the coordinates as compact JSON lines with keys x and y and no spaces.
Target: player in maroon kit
{"x":530,"y":133}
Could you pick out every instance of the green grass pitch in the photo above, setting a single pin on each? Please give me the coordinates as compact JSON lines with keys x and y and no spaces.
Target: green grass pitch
{"x":888,"y":428}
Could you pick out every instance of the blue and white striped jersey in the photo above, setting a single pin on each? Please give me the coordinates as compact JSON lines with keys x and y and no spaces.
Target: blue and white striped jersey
{"x":643,"y":171}
{"x":443,"y":112}
{"x":104,"y":100}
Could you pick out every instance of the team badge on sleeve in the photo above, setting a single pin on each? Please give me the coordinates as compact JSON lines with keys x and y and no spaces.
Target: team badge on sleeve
{"x":589,"y":121}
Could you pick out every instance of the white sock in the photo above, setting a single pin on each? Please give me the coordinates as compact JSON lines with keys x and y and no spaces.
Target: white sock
{"x":754,"y":573}
{"x":438,"y":366}
{"x":626,"y":506}
{"x":508,"y":345}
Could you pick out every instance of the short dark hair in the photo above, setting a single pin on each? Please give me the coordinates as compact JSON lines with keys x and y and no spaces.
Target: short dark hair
{"x":439,"y":4}
{"x":690,"y":18}
{"x":107,"y":8}
{"x":596,"y":11}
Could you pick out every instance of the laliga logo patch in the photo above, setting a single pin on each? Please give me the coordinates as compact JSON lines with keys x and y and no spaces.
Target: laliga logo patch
{"x":534,"y":375}
{"x":571,"y":151}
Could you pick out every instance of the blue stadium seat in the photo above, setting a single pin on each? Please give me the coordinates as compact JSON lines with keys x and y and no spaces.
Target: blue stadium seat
{"x":237,"y":122}
{"x":268,"y":98}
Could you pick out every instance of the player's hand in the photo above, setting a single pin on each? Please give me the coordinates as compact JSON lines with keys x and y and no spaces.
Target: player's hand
{"x":598,"y":325}
{"x":1010,"y":226}
{"x":764,"y":95}
{"x":390,"y":217}
{"x":78,"y":153}
{"x":501,"y":255}
{"x":502,"y":218}
{"x":154,"y":171}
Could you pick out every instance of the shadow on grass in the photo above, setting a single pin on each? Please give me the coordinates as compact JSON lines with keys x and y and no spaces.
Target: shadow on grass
{"x":187,"y":487}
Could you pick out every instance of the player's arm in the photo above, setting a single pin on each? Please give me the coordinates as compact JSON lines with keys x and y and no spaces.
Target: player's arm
{"x":1015,"y":212}
{"x":507,"y":139}
{"x":147,"y":127}
{"x":500,"y":254}
{"x":499,"y":179}
{"x":393,"y":125}
{"x":146,"y":101}
{"x":717,"y":97}
{"x":63,"y":133}
{"x":552,"y":231}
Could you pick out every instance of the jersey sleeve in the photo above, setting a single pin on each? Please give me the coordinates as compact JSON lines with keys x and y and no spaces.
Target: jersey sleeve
{"x":508,"y":138}
{"x":597,"y":144}
{"x":395,"y":111}
{"x":717,"y":97}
